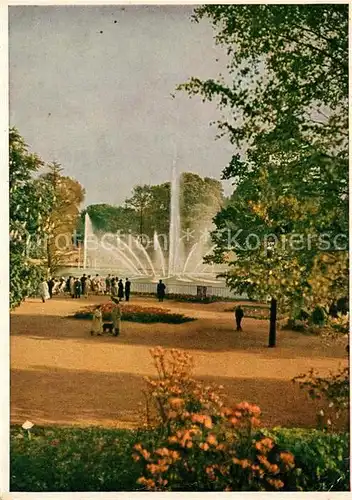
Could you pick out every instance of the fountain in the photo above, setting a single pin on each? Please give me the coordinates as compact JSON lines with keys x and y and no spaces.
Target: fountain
{"x":130,"y":257}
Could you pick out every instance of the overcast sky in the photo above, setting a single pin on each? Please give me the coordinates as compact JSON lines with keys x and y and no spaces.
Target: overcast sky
{"x":99,"y":103}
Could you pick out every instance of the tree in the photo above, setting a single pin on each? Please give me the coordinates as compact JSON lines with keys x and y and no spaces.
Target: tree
{"x":64,"y":213}
{"x":140,"y":202}
{"x":110,"y":219}
{"x":30,"y":205}
{"x":285,"y":102}
{"x":201,"y":199}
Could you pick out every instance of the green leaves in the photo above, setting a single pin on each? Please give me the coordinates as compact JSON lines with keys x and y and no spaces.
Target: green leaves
{"x":284,"y":105}
{"x":30,"y":203}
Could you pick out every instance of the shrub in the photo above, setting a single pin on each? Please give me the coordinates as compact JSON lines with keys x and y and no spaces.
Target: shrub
{"x":72,"y":459}
{"x":96,"y":459}
{"x":135,"y":313}
{"x":321,"y":458}
{"x":334,"y":393}
{"x":202,"y":442}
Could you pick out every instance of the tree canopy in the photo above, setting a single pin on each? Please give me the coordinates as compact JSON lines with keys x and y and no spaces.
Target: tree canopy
{"x":283,"y":104}
{"x":30,"y":204}
{"x":148,"y":208}
{"x":64,"y":213}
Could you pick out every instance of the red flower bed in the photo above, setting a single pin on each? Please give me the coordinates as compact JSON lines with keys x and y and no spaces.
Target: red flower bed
{"x":131,"y":312}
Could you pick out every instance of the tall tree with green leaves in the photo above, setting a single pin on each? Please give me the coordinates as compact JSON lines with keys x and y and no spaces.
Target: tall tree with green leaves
{"x":31,"y":199}
{"x":284,"y":106}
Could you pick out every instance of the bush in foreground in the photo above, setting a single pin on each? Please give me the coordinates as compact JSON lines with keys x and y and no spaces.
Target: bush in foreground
{"x":205,"y":443}
{"x":95,"y":459}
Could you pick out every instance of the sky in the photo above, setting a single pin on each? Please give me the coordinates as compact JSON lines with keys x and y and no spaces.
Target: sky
{"x":90,"y":88}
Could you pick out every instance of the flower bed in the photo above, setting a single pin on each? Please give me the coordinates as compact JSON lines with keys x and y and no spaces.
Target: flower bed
{"x":135,"y":313}
{"x":183,"y":297}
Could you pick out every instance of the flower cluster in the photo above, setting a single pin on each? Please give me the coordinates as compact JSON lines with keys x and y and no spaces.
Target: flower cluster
{"x":127,"y":308}
{"x":202,"y":441}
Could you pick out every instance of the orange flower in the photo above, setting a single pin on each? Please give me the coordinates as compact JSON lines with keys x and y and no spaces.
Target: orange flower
{"x":145,"y":454}
{"x":233,"y":421}
{"x":226,"y":412}
{"x":204,"y":446}
{"x":211,"y":439}
{"x":287,"y":458}
{"x":163,"y":452}
{"x":265,"y":444}
{"x":255,"y":421}
{"x":208,"y":422}
{"x":173,"y":439}
{"x":176,"y":403}
{"x":276,"y":483}
{"x":175,"y":455}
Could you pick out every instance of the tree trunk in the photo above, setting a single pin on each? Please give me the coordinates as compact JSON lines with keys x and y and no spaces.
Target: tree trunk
{"x":272,"y":329}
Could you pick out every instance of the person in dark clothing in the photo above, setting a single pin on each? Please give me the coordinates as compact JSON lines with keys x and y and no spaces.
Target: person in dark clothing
{"x":51,"y":284}
{"x":127,"y":289}
{"x":239,"y":315}
{"x":334,"y":311}
{"x":78,"y":289}
{"x":83,"y":284}
{"x":108,"y":285}
{"x":160,"y":291}
{"x":120,"y":292}
{"x":67,"y":288}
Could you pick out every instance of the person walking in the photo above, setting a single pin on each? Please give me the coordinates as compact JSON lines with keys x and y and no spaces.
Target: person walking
{"x":160,"y":291}
{"x":44,"y":291}
{"x":87,"y":286}
{"x":120,"y":292}
{"x":72,"y":287}
{"x":239,"y":316}
{"x":127,"y":289}
{"x":78,"y":289}
{"x":108,"y":284}
{"x":97,"y":323}
{"x":116,"y":316}
{"x":51,"y":284}
{"x":114,"y":288}
{"x":83,"y":284}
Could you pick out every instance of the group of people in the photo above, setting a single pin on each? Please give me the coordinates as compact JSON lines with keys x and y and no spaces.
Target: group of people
{"x":115,"y":287}
{"x":99,"y":327}
{"x":85,"y":285}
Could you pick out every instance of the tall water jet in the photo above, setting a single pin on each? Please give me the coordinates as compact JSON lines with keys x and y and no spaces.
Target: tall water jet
{"x":87,"y":228}
{"x":159,"y":256}
{"x":175,"y":243}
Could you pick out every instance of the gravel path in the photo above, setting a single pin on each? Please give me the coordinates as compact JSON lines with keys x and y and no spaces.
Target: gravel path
{"x":61,"y":375}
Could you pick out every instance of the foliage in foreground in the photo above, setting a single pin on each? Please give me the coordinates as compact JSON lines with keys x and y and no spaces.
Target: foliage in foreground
{"x":203,"y":442}
{"x":97,"y":459}
{"x":30,"y":201}
{"x":135,"y":313}
{"x":335,"y":389}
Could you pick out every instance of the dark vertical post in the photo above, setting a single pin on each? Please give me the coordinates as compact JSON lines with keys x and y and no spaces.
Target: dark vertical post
{"x":272,"y":330}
